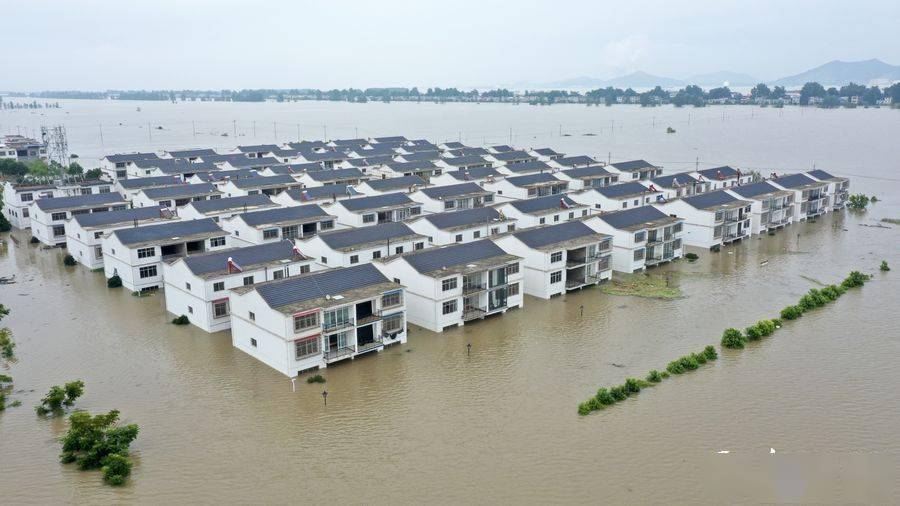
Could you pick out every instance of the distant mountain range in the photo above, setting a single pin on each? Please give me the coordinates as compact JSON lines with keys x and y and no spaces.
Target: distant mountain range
{"x":834,"y":73}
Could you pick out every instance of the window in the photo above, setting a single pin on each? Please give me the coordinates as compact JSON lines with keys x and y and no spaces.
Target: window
{"x":324,"y":260}
{"x":556,"y":257}
{"x":555,"y":217}
{"x":146,"y":252}
{"x":448,"y":307}
{"x":572,"y":215}
{"x":542,"y":221}
{"x":639,"y":254}
{"x":98,"y":235}
{"x":677,"y":228}
{"x":290,"y":232}
{"x":624,"y":205}
{"x":415,"y":211}
{"x":488,"y":198}
{"x":270,"y":233}
{"x":306,"y":347}
{"x":279,"y":274}
{"x":584,"y":212}
{"x":306,"y":321}
{"x":190,"y":310}
{"x":640,"y":236}
{"x":676,"y":244}
{"x":476,"y":234}
{"x":495,"y":230}
{"x":418,"y":246}
{"x":392,"y":325}
{"x":304,"y":269}
{"x":104,"y":189}
{"x":220,"y":309}
{"x":512,"y":269}
{"x":450,"y":204}
{"x":391,"y":299}
{"x":218,"y":286}
{"x":58,"y":216}
{"x":216,"y":241}
{"x":398,"y":250}
{"x":555,"y":277}
{"x":368,"y":218}
{"x":512,"y":289}
{"x":376,"y":254}
{"x":148,"y":271}
{"x":326,"y":225}
{"x":448,"y":284}
{"x":187,"y":286}
{"x":25,"y":212}
{"x":59,"y":230}
{"x":253,"y":342}
{"x":354,"y":259}
{"x":248,"y":280}
{"x":27,"y":197}
{"x":458,"y":237}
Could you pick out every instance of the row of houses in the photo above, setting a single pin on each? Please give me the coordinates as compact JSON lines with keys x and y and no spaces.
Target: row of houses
{"x":308,"y":265}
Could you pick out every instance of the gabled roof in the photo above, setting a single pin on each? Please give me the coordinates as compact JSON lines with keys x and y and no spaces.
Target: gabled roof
{"x":463,"y":152}
{"x":674,"y":180}
{"x":534,"y":179}
{"x":305,"y":213}
{"x":222,"y":175}
{"x":532,"y":166}
{"x":328,"y":156}
{"x":453,"y":190}
{"x":245,"y":162}
{"x":118,"y":217}
{"x":542,"y":204}
{"x":633,"y":165}
{"x":257,"y":148}
{"x":421,"y":156}
{"x":335,"y":174}
{"x":547,"y":152}
{"x":357,"y":162}
{"x":168,"y":231}
{"x":351,"y":238}
{"x":323,"y":192}
{"x":137,"y":183}
{"x":795,"y":181}
{"x":462,"y":161}
{"x":454,"y":145}
{"x":79,"y":201}
{"x":756,"y":189}
{"x":392,"y":138}
{"x":587,"y":172}
{"x":714,"y":173}
{"x":620,"y":190}
{"x":320,"y":285}
{"x":349,"y":142}
{"x":550,"y":235}
{"x":422,"y":165}
{"x":464,"y":218}
{"x":637,"y":218}
{"x":130,"y":157}
{"x":377,"y":201}
{"x":295,"y":168}
{"x":184,"y":190}
{"x":508,"y":156}
{"x":447,"y":260}
{"x":393,"y":183}
{"x":824,"y":176}
{"x":306,"y":145}
{"x":502,"y":148}
{"x":224,"y":204}
{"x":175,"y":165}
{"x":713,"y":199}
{"x":264,"y":181}
{"x":474,"y":173}
{"x":571,"y":161}
{"x":246,"y":258}
{"x":420,"y":146}
{"x":191,"y":153}
{"x":375,"y":160}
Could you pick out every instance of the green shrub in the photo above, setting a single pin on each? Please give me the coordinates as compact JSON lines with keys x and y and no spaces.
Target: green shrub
{"x":699,"y":357}
{"x":2,"y":401}
{"x":692,"y":257}
{"x":792,"y":312}
{"x":181,"y":320}
{"x":114,"y":282}
{"x":754,"y":333}
{"x":115,"y":469}
{"x":664,"y":374}
{"x":604,"y":397}
{"x":675,"y":367}
{"x":776,"y":322}
{"x":619,"y":393}
{"x":858,"y":201}
{"x":632,"y":385}
{"x":830,"y":292}
{"x":710,"y":352}
{"x":689,"y":362}
{"x":69,"y":261}
{"x":884,"y":266}
{"x":855,"y":279}
{"x":59,"y":397}
{"x":91,"y":439}
{"x":732,"y":338}
{"x":654,"y":376}
{"x":315,"y":379}
{"x":5,"y":378}
{"x":584,"y":408}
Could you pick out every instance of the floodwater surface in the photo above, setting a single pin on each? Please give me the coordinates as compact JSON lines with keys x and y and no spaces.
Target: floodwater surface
{"x":429,"y":422}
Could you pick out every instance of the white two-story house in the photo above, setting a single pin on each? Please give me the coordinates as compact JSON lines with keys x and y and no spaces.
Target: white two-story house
{"x":368,"y":211}
{"x":618,"y":196}
{"x":85,"y":232}
{"x":461,"y":226}
{"x":351,"y":246}
{"x":542,"y":210}
{"x":456,"y":197}
{"x":641,"y":237}
{"x":531,"y":186}
{"x":219,"y":209}
{"x":49,"y":215}
{"x":772,"y":208}
{"x":712,"y":219}
{"x":258,"y":227}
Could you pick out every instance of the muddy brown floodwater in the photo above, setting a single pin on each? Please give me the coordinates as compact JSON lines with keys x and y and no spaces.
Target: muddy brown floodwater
{"x":426,"y":422}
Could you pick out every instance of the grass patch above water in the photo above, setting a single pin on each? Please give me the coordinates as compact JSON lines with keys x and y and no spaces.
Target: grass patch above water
{"x":642,"y":285}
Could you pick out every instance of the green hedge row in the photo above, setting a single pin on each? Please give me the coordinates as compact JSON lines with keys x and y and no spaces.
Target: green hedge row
{"x":817,"y":298}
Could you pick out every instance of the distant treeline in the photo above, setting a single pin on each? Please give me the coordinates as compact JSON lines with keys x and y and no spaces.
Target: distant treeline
{"x":811,"y":93}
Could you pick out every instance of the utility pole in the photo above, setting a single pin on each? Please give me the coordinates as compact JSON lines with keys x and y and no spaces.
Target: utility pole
{"x":324,"y":132}
{"x":194,"y":128}
{"x":298,"y":132}
{"x":510,"y":136}
{"x":609,"y":158}
{"x":254,"y":128}
{"x":275,"y":127}
{"x":697,"y":164}
{"x":234,"y":126}
{"x":101,"y":133}
{"x":149,"y":132}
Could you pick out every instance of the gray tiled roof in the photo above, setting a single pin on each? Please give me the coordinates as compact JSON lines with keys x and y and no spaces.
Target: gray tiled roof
{"x":79,"y":201}
{"x":176,"y":165}
{"x":222,"y":175}
{"x":319,"y":284}
{"x":265,"y":181}
{"x":453,"y":190}
{"x":421,"y":156}
{"x":821,"y":174}
{"x":257,"y":148}
{"x":469,"y":152}
{"x":191,"y":153}
{"x":323,"y":192}
{"x":150,"y":233}
{"x":587,"y":172}
{"x":392,"y":183}
{"x":669,"y":180}
{"x":615,"y":191}
{"x":453,"y":219}
{"x":130,"y":157}
{"x":137,"y":183}
{"x":434,"y":259}
{"x":755,"y":189}
{"x":245,"y":258}
{"x":794,"y":180}
{"x":571,"y":161}
{"x":376,"y":201}
{"x":725,"y":171}
{"x":474,"y":173}
{"x":241,"y":161}
{"x":411,"y":166}
{"x":390,"y":138}
{"x":513,"y":155}
{"x":347,"y":238}
{"x":502,"y":148}
{"x":553,"y":234}
{"x":335,"y":174}
{"x":540,"y":204}
{"x":185,"y":190}
{"x":210,"y":206}
{"x":532,"y":179}
{"x":528,"y":167}
{"x":635,"y":216}
{"x":284,"y":214}
{"x":633,"y":165}
{"x":114,"y":217}
{"x":463,"y":161}
{"x":547,"y":152}
{"x":710,"y":199}
{"x":454,"y":145}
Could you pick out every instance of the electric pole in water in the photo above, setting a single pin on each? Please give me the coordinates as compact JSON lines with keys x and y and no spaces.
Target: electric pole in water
{"x":298,"y":132}
{"x":254,"y":129}
{"x":149,"y":132}
{"x":234,"y":126}
{"x":194,"y":129}
{"x":275,"y":127}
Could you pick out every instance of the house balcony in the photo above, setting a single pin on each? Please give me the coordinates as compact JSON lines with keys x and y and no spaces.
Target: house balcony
{"x":335,"y":354}
{"x":473,"y":313}
{"x":376,"y":343}
{"x":337,"y":326}
{"x":365,"y":320}
{"x":734,"y":236}
{"x":572,"y":284}
{"x":470,"y":288}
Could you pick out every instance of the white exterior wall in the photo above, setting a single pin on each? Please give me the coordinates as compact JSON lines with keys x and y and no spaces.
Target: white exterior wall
{"x":317,"y":249}
{"x":440,"y":237}
{"x":623,"y":246}
{"x":123,"y":260}
{"x":699,"y":225}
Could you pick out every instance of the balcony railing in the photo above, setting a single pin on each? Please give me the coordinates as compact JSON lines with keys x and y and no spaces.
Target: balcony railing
{"x":365,"y":320}
{"x":575,"y":262}
{"x":331,"y":327}
{"x":472,"y":313}
{"x":653,"y":239}
{"x":374,"y":345}
{"x":338,"y":353}
{"x":575,"y":283}
{"x":474,"y":288}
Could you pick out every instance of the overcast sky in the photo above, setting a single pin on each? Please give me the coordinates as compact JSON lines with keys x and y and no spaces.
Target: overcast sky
{"x":200,"y":44}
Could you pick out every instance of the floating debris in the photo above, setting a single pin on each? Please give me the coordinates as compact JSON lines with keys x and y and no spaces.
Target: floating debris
{"x":670,"y":130}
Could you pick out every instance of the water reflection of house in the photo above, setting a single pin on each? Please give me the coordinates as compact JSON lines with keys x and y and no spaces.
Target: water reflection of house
{"x":311,"y":321}
{"x":199,"y":286}
{"x":561,"y":257}
{"x":455,"y":284}
{"x":136,"y":254}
